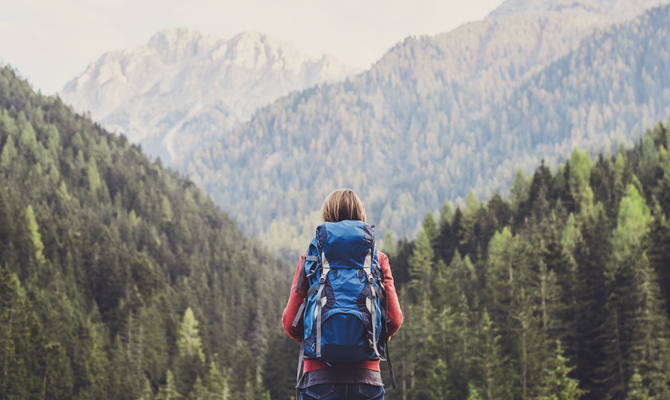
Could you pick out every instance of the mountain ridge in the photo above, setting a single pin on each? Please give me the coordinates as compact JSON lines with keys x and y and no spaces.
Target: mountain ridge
{"x":149,"y":91}
{"x":622,"y":8}
{"x":406,"y":135}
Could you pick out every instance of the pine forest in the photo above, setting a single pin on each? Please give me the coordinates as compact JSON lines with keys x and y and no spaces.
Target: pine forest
{"x":122,"y":279}
{"x":118,"y":278}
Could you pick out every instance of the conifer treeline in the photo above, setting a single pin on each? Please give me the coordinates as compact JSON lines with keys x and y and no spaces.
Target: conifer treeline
{"x":118,"y":278}
{"x":566,"y":282}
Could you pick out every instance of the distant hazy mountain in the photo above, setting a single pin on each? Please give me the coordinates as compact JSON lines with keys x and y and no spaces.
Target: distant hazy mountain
{"x":620,"y":8}
{"x":183,"y":88}
{"x":434,"y":118}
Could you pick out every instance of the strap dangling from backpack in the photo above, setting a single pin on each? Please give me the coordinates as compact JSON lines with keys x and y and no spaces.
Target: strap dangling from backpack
{"x":298,"y":374}
{"x":388,"y":359}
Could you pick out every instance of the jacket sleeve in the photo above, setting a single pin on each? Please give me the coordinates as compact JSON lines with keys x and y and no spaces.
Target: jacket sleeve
{"x":394,"y":312}
{"x":298,"y":294}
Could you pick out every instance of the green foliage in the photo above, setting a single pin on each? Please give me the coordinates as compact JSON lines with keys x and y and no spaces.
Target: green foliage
{"x":388,"y":245}
{"x":490,"y":371}
{"x":634,"y":215}
{"x":94,"y":181}
{"x":519,"y":190}
{"x":421,"y":263}
{"x":189,"y":340}
{"x":490,"y":294}
{"x":579,"y":178}
{"x":637,"y":390}
{"x":169,"y":391}
{"x":34,"y":233}
{"x":244,"y":382}
{"x":430,"y":226}
{"x":118,"y":278}
{"x":557,"y":384}
{"x":8,"y":153}
{"x":279,"y":369}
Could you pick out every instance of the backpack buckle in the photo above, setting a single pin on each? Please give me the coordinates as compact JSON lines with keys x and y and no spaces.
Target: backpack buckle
{"x":371,"y":280}
{"x":322,"y":280}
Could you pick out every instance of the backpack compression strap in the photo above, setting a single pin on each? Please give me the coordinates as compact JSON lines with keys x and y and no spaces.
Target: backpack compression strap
{"x":299,"y":375}
{"x":385,"y":321}
{"x":325,"y":269}
{"x":367,"y":267}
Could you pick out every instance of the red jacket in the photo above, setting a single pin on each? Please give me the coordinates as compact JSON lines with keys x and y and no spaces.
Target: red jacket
{"x":298,"y":295}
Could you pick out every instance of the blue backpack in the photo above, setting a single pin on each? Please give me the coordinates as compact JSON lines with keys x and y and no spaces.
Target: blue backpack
{"x":344,"y":314}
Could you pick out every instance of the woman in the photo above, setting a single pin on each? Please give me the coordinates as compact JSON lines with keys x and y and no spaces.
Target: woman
{"x":341,"y":381}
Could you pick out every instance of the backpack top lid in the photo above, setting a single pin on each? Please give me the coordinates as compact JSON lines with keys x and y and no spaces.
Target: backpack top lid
{"x":345,"y":243}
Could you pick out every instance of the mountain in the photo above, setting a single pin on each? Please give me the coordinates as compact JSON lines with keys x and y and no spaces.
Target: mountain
{"x":619,"y":8}
{"x":418,"y":127}
{"x":560,"y":290}
{"x":183,"y":89}
{"x":599,"y":96}
{"x":118,"y":277}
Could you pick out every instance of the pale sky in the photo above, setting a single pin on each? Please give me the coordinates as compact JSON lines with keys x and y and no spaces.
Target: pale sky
{"x":51,"y":42}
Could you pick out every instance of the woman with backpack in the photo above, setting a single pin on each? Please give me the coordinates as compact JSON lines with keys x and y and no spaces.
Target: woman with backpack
{"x":343,"y":306}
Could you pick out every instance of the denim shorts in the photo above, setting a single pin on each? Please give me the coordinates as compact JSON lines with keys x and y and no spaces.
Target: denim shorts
{"x":343,"y":391}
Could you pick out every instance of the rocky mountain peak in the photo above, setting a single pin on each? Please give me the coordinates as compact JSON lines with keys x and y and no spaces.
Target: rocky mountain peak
{"x":178,"y":44}
{"x":183,"y":84}
{"x":254,"y":50}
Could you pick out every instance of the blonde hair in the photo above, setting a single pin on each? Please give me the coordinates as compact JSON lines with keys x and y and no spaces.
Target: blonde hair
{"x":342,"y":204}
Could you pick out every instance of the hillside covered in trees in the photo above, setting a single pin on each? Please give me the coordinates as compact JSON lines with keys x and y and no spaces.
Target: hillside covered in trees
{"x":439,"y":116}
{"x":118,"y":278}
{"x":121,"y":280}
{"x":565,"y":282}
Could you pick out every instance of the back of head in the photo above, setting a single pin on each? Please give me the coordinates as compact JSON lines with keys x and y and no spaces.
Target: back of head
{"x":342,"y":205}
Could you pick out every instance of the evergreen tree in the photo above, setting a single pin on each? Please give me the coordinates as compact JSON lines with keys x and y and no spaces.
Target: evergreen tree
{"x":421,"y":265}
{"x":280,"y":362}
{"x":430,"y":226}
{"x":519,"y":191}
{"x":637,"y":390}
{"x":491,"y":366}
{"x":657,"y":247}
{"x":169,"y":390}
{"x":146,"y":393}
{"x":557,"y":385}
{"x":199,"y":391}
{"x":15,"y":347}
{"x":243,"y":380}
{"x":217,"y":382}
{"x":593,"y":254}
{"x":579,"y":179}
{"x":388,"y":245}
{"x":469,"y":231}
{"x":8,"y":154}
{"x":189,"y":339}
{"x":34,"y":233}
{"x":634,"y":215}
